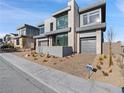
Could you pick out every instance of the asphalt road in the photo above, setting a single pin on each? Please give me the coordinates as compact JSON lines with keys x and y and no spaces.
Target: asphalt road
{"x":13,"y":82}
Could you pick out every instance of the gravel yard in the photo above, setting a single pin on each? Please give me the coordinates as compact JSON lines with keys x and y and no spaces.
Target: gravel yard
{"x":75,"y":65}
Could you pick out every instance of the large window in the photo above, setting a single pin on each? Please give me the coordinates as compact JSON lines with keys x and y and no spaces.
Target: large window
{"x":60,"y":40}
{"x":92,"y":17}
{"x":22,"y":32}
{"x":62,"y":22}
{"x":41,"y":29}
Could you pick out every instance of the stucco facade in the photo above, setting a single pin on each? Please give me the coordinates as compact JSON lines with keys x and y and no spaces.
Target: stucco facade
{"x":66,"y":28}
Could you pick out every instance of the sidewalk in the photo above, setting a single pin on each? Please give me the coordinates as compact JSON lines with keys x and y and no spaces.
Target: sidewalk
{"x":56,"y":80}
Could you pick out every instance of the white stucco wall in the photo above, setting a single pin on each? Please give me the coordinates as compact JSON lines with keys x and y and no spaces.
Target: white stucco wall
{"x":73,"y":22}
{"x":98,"y":41}
{"x":47,"y":24}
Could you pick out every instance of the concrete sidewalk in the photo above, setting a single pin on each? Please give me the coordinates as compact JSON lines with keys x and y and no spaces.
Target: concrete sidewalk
{"x":56,"y":80}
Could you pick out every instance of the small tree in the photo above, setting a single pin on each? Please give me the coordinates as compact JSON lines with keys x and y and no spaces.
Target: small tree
{"x":110,"y":37}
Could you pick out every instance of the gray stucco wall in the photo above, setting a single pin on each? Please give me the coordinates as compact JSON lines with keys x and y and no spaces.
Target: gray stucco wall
{"x":55,"y":50}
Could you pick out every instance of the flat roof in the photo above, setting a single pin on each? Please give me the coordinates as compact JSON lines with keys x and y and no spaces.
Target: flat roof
{"x":95,"y":5}
{"x":40,"y":24}
{"x":26,"y":25}
{"x":61,"y":11}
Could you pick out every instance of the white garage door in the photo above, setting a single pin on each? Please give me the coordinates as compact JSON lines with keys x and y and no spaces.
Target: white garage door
{"x":88,"y":45}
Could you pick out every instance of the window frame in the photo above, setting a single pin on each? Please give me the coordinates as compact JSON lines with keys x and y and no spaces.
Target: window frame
{"x":60,"y":37}
{"x":61,"y":17}
{"x":88,"y":17}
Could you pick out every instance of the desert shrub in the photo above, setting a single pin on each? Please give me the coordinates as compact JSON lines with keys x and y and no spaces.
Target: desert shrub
{"x":104,"y":56}
{"x":101,"y":60}
{"x":4,"y":46}
{"x":98,"y":67}
{"x":44,"y":60}
{"x":105,"y":73}
{"x":110,"y":71}
{"x":35,"y":58}
{"x":33,"y":54}
{"x":54,"y":63}
{"x":41,"y":55}
{"x":60,"y":60}
{"x":54,"y":57}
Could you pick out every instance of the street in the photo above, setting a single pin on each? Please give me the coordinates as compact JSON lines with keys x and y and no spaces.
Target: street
{"x":12,"y":81}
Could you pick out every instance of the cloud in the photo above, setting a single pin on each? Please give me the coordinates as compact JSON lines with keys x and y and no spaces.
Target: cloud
{"x":10,"y":13}
{"x":120,"y":5}
{"x":57,"y":1}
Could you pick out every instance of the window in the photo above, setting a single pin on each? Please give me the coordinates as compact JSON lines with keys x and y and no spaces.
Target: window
{"x":62,"y":22}
{"x":17,"y":42}
{"x":85,"y":20}
{"x":92,"y":17}
{"x":22,"y":32}
{"x":41,"y":29}
{"x":51,"y":26}
{"x":61,"y":40}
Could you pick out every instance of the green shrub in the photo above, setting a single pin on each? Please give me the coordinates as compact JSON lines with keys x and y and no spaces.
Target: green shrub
{"x":5,"y":46}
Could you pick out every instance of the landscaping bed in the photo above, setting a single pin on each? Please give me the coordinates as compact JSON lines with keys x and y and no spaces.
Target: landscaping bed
{"x":76,"y":65}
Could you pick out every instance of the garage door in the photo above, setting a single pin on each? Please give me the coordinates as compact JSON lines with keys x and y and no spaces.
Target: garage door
{"x":43,"y":43}
{"x":88,"y":45}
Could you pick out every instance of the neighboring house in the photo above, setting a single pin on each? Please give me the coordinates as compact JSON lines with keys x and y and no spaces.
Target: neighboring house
{"x":1,"y":41}
{"x":41,"y":28}
{"x":73,"y":30}
{"x":117,"y":48}
{"x":25,"y":36}
{"x":9,"y":38}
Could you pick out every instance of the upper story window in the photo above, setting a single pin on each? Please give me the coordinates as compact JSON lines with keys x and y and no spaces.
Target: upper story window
{"x":62,"y":22}
{"x":90,"y":18}
{"x":22,"y":32}
{"x":41,"y":29}
{"x":51,"y":26}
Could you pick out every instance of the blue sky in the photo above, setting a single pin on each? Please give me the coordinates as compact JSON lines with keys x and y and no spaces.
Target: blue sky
{"x":16,"y":12}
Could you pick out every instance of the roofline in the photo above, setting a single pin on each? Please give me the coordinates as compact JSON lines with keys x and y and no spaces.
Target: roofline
{"x":24,"y":25}
{"x":61,"y":11}
{"x":100,"y":3}
{"x":40,"y":25}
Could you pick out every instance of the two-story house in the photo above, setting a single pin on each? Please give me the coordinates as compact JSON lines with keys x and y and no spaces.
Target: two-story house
{"x":9,"y":38}
{"x":25,"y":36}
{"x":73,"y":30}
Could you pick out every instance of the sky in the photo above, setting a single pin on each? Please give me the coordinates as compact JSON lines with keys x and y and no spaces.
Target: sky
{"x":14,"y":13}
